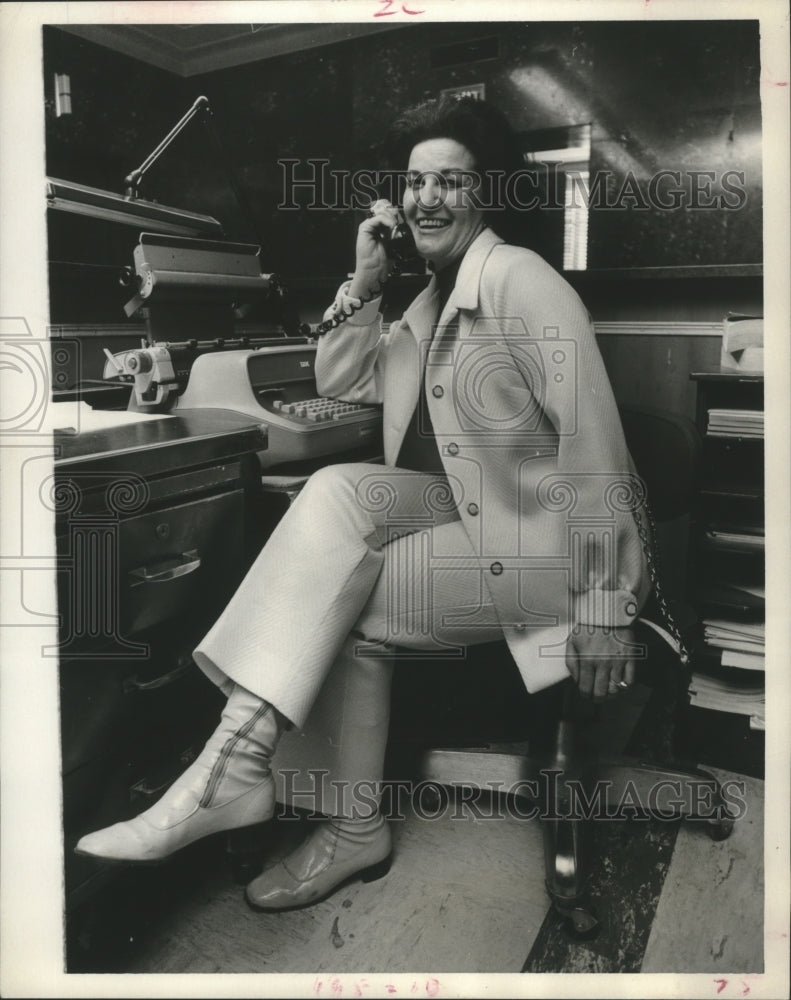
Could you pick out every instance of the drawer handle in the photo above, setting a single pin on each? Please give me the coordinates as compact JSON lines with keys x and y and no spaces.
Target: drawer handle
{"x":135,"y":684}
{"x":186,"y":563}
{"x":144,"y":790}
{"x":153,"y":786}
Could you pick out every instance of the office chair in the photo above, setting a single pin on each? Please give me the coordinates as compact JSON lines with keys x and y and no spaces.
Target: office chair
{"x":666,"y":449}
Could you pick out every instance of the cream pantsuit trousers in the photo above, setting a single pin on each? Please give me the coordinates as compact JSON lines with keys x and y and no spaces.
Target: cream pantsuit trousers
{"x":367,"y":558}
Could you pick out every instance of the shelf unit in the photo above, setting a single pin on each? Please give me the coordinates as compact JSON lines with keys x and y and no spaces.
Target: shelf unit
{"x":727,"y":575}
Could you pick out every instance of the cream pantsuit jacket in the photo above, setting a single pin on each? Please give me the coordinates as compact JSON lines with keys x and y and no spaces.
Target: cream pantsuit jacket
{"x":529,"y":435}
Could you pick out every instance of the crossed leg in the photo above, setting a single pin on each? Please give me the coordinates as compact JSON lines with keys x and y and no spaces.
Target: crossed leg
{"x":427,"y":594}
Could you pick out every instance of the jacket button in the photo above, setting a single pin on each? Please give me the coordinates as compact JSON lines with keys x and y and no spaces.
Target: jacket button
{"x":631,"y":609}
{"x":472,"y":508}
{"x":496,"y":568}
{"x":438,"y":391}
{"x":453,"y":448}
{"x":519,"y":628}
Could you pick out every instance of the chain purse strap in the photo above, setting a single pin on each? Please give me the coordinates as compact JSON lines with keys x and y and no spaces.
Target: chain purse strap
{"x":653,"y":572}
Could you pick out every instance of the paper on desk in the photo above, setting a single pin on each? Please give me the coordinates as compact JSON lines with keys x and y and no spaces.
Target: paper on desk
{"x":743,"y":660}
{"x":77,"y":417}
{"x":744,"y":331}
{"x":742,"y":343}
{"x":729,"y":696}
{"x":735,"y":540}
{"x":758,"y":721}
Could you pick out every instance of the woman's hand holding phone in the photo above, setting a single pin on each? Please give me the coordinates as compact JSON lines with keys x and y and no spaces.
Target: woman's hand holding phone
{"x":373,"y":264}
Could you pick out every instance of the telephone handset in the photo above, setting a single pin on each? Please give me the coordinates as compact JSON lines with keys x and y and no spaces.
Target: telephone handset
{"x":400,"y":244}
{"x":400,"y":247}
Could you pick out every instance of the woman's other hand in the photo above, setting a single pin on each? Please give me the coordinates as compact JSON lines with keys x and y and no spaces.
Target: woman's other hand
{"x":599,"y":660}
{"x":373,"y":265}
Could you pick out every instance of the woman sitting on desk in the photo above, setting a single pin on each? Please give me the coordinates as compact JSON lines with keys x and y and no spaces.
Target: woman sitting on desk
{"x":492,"y":517}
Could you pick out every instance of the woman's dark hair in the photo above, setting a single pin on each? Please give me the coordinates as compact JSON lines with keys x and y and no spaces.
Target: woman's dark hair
{"x":482,"y":129}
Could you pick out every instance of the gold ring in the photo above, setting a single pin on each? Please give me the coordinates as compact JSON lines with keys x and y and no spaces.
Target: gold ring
{"x":622,"y":685}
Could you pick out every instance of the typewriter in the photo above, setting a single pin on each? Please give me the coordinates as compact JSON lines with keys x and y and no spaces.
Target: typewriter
{"x":186,"y":289}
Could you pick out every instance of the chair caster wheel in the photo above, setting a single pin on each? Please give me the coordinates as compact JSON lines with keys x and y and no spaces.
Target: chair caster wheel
{"x":582,"y":924}
{"x":579,"y":922}
{"x":430,"y":798}
{"x":721,"y":829}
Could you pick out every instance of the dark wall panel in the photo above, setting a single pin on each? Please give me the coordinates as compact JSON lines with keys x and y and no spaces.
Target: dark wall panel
{"x":121,"y":109}
{"x":682,"y":97}
{"x":660,"y":96}
{"x":654,"y":370}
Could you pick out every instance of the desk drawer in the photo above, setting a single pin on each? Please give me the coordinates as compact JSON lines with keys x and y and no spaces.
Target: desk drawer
{"x":183,"y":559}
{"x":133,"y":718}
{"x":737,"y":463}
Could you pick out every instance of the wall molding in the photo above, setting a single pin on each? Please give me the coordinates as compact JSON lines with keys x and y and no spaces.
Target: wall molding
{"x":602,"y":328}
{"x":656,"y":328}
{"x":66,"y":331}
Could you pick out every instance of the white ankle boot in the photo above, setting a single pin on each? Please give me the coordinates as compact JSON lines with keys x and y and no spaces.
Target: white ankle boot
{"x":228,"y":786}
{"x":338,"y":851}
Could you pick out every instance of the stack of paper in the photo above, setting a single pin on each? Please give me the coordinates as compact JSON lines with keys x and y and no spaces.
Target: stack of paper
{"x":746,"y":598}
{"x":745,"y":637}
{"x":743,"y":660}
{"x":736,"y":423}
{"x":742,"y":697}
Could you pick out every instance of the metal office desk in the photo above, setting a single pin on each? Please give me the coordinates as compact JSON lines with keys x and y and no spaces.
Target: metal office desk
{"x":153,"y":537}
